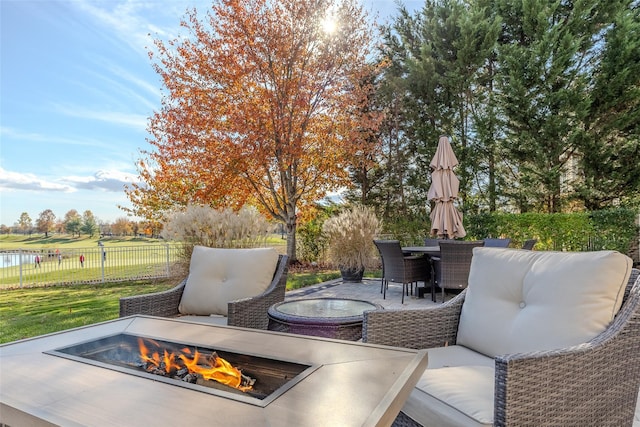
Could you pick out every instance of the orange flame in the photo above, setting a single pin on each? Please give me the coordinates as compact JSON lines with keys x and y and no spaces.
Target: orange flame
{"x":210,"y":368}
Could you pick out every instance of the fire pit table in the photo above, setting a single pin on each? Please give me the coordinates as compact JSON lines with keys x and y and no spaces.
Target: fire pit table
{"x":323,"y":317}
{"x":66,"y":378}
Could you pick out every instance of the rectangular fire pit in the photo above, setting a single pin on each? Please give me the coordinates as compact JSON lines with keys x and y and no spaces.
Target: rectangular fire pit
{"x":122,"y":352}
{"x":64,"y":379}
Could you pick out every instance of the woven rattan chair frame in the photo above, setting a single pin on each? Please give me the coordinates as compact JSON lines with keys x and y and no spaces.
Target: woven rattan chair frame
{"x":247,"y":312}
{"x":399,"y":268}
{"x":431,"y":242}
{"x":453,"y":265}
{"x":591,"y":384}
{"x":496,"y":243}
{"x":529,"y":244}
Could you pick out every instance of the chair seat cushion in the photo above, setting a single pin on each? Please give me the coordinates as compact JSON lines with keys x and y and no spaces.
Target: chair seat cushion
{"x":217,"y":276}
{"x":214,"y":319}
{"x":456,"y":389}
{"x":520,"y":301}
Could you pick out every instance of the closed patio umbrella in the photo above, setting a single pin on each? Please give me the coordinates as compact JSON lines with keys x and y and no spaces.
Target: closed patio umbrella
{"x":446,"y":220}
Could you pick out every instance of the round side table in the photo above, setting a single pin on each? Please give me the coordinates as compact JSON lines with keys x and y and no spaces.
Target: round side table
{"x":322,"y":317}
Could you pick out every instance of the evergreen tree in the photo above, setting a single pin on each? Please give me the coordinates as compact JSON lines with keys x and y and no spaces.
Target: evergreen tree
{"x":610,"y":153}
{"x":545,"y":53}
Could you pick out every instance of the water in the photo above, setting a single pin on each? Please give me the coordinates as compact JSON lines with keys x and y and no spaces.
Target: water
{"x":11,"y":259}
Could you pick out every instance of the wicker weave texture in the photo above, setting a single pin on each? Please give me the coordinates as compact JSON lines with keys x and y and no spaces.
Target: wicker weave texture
{"x":453,"y":265}
{"x":591,"y":384}
{"x":247,"y":313}
{"x":399,"y":268}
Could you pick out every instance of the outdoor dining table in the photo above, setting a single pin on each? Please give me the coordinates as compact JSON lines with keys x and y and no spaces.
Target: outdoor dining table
{"x":428,"y":250}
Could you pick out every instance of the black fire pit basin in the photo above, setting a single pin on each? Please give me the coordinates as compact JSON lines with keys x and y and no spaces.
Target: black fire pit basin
{"x":121,"y":352}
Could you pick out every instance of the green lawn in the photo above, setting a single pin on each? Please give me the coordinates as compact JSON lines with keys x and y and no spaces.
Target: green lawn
{"x":30,"y":312}
{"x":54,"y":241}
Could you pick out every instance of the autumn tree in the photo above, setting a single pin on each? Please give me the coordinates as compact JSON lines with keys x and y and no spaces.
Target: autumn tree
{"x":122,"y":226}
{"x":25,"y":223}
{"x":262,"y":106}
{"x":46,"y":221}
{"x":72,"y":222}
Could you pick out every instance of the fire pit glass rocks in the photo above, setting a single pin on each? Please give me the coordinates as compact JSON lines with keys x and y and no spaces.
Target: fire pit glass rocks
{"x":248,"y":378}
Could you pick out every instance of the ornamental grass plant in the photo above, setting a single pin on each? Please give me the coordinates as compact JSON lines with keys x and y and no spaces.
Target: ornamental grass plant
{"x":350,"y":237}
{"x":205,"y":226}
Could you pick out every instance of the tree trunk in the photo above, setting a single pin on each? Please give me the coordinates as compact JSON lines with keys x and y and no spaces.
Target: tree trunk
{"x":291,"y":239}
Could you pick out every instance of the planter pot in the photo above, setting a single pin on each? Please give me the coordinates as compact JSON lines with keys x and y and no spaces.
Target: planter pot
{"x":352,"y":275}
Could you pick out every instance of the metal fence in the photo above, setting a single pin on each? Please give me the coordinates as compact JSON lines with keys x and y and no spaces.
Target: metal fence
{"x":29,"y":267}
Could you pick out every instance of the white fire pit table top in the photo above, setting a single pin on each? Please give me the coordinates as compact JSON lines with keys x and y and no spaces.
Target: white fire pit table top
{"x":354,"y":384}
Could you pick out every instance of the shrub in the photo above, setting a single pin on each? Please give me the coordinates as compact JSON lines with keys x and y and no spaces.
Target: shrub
{"x":205,"y":226}
{"x":350,"y":237}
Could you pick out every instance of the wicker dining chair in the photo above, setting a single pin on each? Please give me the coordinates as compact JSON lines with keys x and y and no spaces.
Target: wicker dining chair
{"x":246,"y":312}
{"x":431,"y":242}
{"x":452,"y":266}
{"x":496,"y":243}
{"x":529,"y":244}
{"x":400,"y":268}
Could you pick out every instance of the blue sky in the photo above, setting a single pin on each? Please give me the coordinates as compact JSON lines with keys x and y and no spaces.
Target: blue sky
{"x":76,"y":89}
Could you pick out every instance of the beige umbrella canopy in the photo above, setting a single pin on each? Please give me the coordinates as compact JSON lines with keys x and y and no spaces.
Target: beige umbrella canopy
{"x":446,"y":220}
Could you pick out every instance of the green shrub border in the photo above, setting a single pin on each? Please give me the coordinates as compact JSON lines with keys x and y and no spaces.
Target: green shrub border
{"x":612,"y":229}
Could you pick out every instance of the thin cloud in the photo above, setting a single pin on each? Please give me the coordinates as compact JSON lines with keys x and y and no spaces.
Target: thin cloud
{"x":136,"y":121}
{"x":127,"y":20}
{"x":29,"y":182}
{"x":103,"y":180}
{"x":112,"y":181}
{"x":7,"y":132}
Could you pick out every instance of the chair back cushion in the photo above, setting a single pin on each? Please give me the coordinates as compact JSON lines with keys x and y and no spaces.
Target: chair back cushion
{"x":520,"y":301}
{"x":217,"y":276}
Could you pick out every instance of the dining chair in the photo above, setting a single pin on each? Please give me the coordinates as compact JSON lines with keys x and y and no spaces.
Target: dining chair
{"x":400,"y":268}
{"x":496,"y":243}
{"x":452,"y":266}
{"x":529,"y":244}
{"x":431,"y":242}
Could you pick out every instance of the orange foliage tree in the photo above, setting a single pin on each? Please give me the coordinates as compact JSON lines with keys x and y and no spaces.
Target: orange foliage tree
{"x":264,"y":104}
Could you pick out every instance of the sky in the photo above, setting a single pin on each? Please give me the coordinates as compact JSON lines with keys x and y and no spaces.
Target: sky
{"x":76,"y":90}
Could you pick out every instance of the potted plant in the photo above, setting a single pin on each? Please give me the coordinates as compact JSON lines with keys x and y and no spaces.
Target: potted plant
{"x":350,"y":237}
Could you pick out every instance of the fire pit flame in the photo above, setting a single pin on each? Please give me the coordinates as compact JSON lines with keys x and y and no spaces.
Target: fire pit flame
{"x":196,"y":365}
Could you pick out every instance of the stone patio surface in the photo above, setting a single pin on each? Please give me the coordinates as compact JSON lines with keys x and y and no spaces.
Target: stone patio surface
{"x":368,"y":290}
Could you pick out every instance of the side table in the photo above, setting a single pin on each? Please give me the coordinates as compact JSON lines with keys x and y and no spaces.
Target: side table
{"x":322,"y":317}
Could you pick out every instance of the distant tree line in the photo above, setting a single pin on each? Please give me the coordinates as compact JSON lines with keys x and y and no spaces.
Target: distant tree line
{"x":75,"y":224}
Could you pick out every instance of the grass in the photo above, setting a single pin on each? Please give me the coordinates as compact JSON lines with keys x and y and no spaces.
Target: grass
{"x":29,"y":312}
{"x":38,"y":241}
{"x":32,"y":311}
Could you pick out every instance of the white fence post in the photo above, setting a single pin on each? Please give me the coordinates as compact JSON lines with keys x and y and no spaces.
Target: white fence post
{"x":20,"y":261}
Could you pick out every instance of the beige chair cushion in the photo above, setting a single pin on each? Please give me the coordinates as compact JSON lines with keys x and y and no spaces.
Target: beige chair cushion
{"x":456,"y":389}
{"x":217,"y":276}
{"x":520,"y":301}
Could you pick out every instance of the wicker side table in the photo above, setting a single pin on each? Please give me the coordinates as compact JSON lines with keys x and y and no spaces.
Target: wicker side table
{"x":321,"y":317}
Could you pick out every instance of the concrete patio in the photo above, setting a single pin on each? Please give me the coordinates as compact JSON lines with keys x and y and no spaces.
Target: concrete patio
{"x":368,"y":290}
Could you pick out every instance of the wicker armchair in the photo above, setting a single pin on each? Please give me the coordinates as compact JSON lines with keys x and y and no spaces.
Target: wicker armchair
{"x":400,"y":268}
{"x":594,"y":383}
{"x":452,"y":266}
{"x":247,"y":312}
